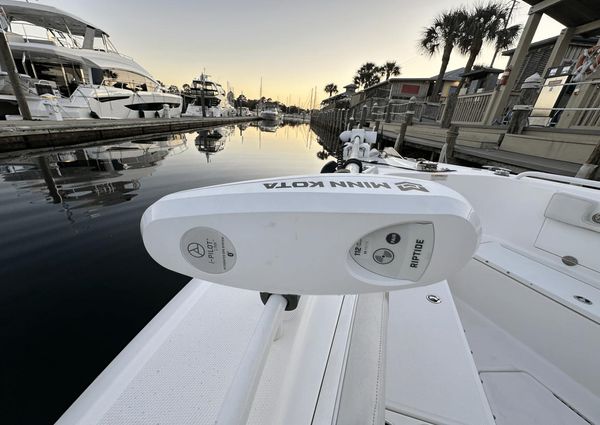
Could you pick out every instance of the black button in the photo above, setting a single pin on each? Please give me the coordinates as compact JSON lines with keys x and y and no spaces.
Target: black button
{"x":393,"y":238}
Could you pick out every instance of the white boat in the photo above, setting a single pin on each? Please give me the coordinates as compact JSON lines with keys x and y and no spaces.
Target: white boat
{"x":216,"y":103}
{"x":70,"y":69}
{"x":429,"y":294}
{"x":270,"y":112}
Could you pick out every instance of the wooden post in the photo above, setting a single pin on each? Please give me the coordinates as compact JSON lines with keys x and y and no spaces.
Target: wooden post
{"x":451,"y":102}
{"x":529,"y":93}
{"x":13,"y":75}
{"x":410,"y":110}
{"x":408,"y":120}
{"x":589,"y":169}
{"x":350,"y":123}
{"x":447,"y":152}
{"x":376,"y":126}
{"x":515,"y":64}
{"x":388,"y":113}
{"x":399,"y":144}
{"x":363,"y":117}
{"x":346,"y":118}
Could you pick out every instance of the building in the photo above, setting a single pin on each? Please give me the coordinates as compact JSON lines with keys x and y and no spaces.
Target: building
{"x":340,"y":100}
{"x":538,"y":55}
{"x":401,"y":88}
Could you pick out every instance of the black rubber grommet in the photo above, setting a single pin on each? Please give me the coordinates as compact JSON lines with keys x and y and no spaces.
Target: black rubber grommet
{"x":292,"y":300}
{"x":330,"y":167}
{"x":355,"y":161}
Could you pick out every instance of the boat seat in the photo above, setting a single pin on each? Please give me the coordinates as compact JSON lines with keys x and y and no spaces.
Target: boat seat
{"x":562,"y":288}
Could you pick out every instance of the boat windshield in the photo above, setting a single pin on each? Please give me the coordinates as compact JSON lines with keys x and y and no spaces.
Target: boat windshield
{"x":26,"y":32}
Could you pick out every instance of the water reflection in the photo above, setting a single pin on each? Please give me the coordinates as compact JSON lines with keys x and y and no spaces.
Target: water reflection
{"x":213,"y":140}
{"x":93,"y":177}
{"x":76,"y":281}
{"x":269,"y":126}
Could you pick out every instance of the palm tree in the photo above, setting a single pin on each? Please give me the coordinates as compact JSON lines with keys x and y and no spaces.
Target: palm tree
{"x":486,"y":23}
{"x":443,"y":34}
{"x":331,"y":88}
{"x":390,"y":68}
{"x":367,"y":75}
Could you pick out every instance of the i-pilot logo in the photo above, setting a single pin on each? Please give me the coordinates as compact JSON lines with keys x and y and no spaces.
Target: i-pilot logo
{"x":303,"y":184}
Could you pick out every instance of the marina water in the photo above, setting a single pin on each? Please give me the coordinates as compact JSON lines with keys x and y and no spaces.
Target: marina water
{"x":77,"y":283}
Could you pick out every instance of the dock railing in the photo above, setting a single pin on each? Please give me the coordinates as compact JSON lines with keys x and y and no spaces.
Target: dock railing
{"x":580,"y":112}
{"x":472,"y":108}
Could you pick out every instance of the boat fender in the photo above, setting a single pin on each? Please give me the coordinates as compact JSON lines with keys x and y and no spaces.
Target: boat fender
{"x":292,"y":300}
{"x":330,"y":167}
{"x":354,"y":161}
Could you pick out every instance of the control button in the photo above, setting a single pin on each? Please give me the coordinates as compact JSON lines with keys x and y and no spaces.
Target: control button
{"x":383,"y":256}
{"x":392,"y":238}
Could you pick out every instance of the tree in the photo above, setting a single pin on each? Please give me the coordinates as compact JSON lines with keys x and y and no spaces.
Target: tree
{"x":331,"y":88}
{"x":390,"y":68}
{"x":486,"y":23}
{"x":367,"y":75}
{"x":443,"y":34}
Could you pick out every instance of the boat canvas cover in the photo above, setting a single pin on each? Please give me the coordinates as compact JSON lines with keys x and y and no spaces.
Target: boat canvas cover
{"x":47,"y":17}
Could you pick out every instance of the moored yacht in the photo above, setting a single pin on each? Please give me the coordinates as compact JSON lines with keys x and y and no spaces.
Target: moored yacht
{"x":69,"y":68}
{"x":208,"y":95}
{"x":270,"y":111}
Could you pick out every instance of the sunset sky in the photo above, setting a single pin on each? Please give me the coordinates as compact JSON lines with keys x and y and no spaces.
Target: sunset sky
{"x":293,"y":45}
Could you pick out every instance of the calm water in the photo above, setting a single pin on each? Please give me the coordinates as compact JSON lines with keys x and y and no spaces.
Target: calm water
{"x":76,"y":282}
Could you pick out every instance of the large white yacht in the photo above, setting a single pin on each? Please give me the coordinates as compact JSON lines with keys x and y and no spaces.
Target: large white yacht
{"x":429,"y":293}
{"x":270,"y":111}
{"x":216,"y":101}
{"x":70,"y":69}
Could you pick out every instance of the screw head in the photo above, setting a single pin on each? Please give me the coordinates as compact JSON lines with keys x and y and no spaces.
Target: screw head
{"x":596,"y":218}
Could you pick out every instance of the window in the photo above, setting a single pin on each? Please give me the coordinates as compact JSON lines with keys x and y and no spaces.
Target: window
{"x":123,"y":79}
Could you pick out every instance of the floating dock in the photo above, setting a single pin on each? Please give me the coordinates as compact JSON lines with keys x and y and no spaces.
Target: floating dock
{"x":23,"y":135}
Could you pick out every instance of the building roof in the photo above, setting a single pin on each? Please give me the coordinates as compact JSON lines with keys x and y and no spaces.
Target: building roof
{"x":46,"y":17}
{"x":570,"y":13}
{"x":454,"y":75}
{"x":482,"y":71}
{"x":577,"y":40}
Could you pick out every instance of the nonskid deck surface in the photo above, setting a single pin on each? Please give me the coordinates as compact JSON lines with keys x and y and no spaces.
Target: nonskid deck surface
{"x":181,"y":365}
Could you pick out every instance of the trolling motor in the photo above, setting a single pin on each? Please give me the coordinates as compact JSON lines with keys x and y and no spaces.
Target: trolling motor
{"x":320,"y":234}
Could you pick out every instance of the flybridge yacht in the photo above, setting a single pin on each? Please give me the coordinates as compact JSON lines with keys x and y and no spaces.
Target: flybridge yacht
{"x":425,"y":293}
{"x":216,"y":102}
{"x":70,"y":69}
{"x":270,"y":111}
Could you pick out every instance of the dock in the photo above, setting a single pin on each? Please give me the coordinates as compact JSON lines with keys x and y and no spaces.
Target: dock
{"x":564,"y":151}
{"x":25,"y":135}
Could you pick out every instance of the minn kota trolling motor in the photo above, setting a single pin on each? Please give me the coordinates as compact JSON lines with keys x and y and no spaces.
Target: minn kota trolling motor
{"x":309,"y":235}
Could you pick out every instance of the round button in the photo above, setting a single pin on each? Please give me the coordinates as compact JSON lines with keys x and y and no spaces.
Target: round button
{"x":383,"y":256}
{"x":392,"y":238}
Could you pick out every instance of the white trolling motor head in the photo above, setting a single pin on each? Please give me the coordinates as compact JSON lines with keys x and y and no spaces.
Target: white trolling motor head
{"x":320,"y":234}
